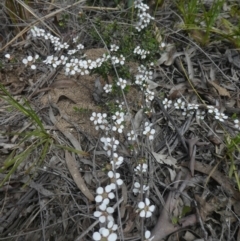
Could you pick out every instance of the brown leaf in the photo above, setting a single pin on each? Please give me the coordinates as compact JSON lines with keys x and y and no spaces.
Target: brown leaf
{"x":221,"y":91}
{"x":63,"y":84}
{"x":73,"y":169}
{"x":206,"y":207}
{"x":125,"y":199}
{"x":177,"y":91}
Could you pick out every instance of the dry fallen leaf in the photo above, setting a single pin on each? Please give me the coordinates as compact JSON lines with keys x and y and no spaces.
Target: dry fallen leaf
{"x":138,"y":119}
{"x":221,"y":91}
{"x":63,"y":84}
{"x":177,"y":91}
{"x":169,"y":55}
{"x":73,"y":169}
{"x":164,"y":159}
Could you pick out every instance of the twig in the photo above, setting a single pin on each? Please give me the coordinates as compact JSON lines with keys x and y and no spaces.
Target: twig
{"x":172,"y":122}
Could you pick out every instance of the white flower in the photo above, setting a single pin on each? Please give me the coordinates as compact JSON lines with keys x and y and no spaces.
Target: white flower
{"x":48,"y":60}
{"x":75,"y":39}
{"x":80,"y":46}
{"x":57,"y":45}
{"x":7,"y":56}
{"x":98,"y":118}
{"x":145,"y":210}
{"x":200,"y":114}
{"x":117,"y":161}
{"x":114,"y":47}
{"x":63,"y":59}
{"x":192,"y":106}
{"x":104,"y":125}
{"x":148,"y":131}
{"x":212,"y":109}
{"x":118,"y":117}
{"x":104,"y":194}
{"x":105,"y":213}
{"x":105,"y":57}
{"x":139,"y":79}
{"x":115,"y":60}
{"x":110,"y":144}
{"x":122,"y":59}
{"x":141,"y":168}
{"x":55,"y":62}
{"x":71,"y":52}
{"x":131,"y":136}
{"x":143,"y":53}
{"x":122,"y":83}
{"x":37,"y":32}
{"x":220,"y":116}
{"x":107,"y":88}
{"x":112,"y":226}
{"x":115,"y":179}
{"x":94,"y":118}
{"x":70,"y":69}
{"x":148,"y":236}
{"x":167,"y":103}
{"x":30,"y":60}
{"x":118,"y":127}
{"x":179,"y":104}
{"x":162,"y":45}
{"x":149,"y":95}
{"x":137,"y":188}
{"x":104,"y":234}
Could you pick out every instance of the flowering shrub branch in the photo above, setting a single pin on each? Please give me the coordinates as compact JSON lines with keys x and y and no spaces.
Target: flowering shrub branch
{"x":112,"y":125}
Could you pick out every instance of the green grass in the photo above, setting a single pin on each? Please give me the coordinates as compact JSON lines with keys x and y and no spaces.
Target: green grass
{"x":233,"y":147}
{"x":205,"y":24}
{"x":37,"y":139}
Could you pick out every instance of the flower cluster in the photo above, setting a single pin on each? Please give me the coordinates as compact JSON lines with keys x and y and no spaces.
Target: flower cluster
{"x":72,"y":65}
{"x":142,"y":79}
{"x":217,"y":114}
{"x":106,"y":194}
{"x":190,"y":109}
{"x":143,"y":16}
{"x":143,"y":76}
{"x":109,"y":145}
{"x":118,"y":119}
{"x":38,"y":32}
{"x":141,"y":52}
{"x":100,"y":121}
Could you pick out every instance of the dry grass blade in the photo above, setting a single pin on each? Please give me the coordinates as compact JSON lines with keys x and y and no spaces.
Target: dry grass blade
{"x":37,"y":21}
{"x":29,"y":10}
{"x":73,"y":169}
{"x":217,"y":176}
